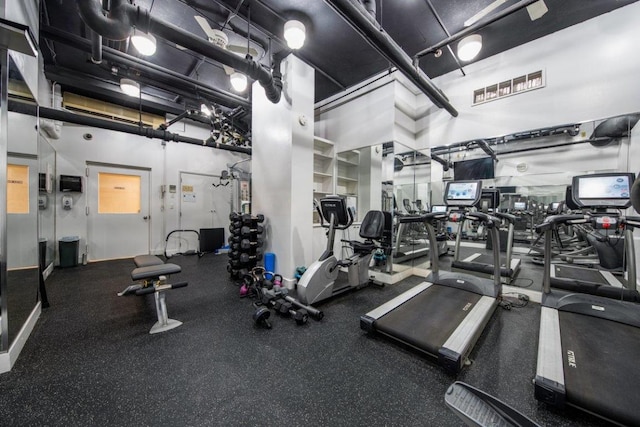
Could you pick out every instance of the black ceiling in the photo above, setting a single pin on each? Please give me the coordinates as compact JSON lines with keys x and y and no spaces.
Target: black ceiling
{"x":339,"y":55}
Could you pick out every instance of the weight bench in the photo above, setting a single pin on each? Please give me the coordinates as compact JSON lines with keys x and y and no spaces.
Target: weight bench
{"x":154,"y":280}
{"x":147,"y":260}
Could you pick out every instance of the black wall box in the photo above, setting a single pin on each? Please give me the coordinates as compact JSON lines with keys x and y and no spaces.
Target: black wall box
{"x":71,"y":183}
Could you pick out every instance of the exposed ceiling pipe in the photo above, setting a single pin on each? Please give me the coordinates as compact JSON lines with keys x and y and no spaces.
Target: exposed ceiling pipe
{"x":66,"y":116}
{"x":475,"y":27}
{"x":96,"y":48}
{"x":154,"y":71}
{"x":370,"y":6}
{"x":446,"y":164}
{"x":360,"y":20}
{"x":119,"y":23}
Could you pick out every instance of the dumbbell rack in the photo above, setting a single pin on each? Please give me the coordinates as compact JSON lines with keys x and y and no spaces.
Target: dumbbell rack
{"x":246,"y":241}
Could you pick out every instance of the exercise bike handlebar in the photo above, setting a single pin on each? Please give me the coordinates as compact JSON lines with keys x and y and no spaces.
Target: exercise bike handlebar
{"x":328,"y":222}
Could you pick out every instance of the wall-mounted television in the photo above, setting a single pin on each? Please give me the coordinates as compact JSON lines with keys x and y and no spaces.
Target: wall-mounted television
{"x":483,"y":168}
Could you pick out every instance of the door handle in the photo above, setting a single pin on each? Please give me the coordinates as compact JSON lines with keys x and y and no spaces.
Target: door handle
{"x":146,"y":217}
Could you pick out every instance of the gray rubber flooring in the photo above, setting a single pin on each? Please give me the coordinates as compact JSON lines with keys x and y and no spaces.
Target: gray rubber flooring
{"x":91,"y":361}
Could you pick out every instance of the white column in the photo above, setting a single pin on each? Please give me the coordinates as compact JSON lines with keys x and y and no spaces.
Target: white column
{"x":282,"y":166}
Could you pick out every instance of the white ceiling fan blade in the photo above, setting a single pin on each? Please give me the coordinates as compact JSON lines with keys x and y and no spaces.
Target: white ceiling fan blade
{"x":484,"y":12}
{"x":537,"y":9}
{"x":204,"y":24}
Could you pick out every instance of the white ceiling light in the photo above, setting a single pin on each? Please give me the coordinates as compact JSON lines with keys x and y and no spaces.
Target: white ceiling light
{"x":130,"y":87}
{"x":143,"y":42}
{"x":469,"y":47}
{"x":294,"y":34}
{"x":238,"y":81}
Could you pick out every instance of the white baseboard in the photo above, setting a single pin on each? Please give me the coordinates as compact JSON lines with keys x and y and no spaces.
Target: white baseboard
{"x":8,"y":359}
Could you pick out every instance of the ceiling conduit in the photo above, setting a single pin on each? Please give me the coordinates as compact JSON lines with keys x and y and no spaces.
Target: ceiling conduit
{"x":120,"y":20}
{"x":361,"y":21}
{"x":78,"y":119}
{"x":154,"y":71}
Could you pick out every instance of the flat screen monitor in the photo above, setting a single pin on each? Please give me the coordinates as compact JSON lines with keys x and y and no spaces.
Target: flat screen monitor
{"x":438,"y":208}
{"x":519,"y":206}
{"x":603,"y":190}
{"x":511,"y":189}
{"x":463,"y":193}
{"x":336,"y":205}
{"x":474,"y":169}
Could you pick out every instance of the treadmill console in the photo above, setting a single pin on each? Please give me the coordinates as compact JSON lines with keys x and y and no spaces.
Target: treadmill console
{"x":439,"y":208}
{"x":489,"y":199}
{"x":462,"y":193}
{"x":603,"y":190}
{"x":519,"y":206}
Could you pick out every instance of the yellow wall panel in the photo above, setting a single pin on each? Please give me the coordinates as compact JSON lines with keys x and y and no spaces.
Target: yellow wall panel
{"x":118,"y":193}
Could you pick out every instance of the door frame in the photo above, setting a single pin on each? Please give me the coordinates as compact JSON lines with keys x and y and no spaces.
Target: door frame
{"x":89,"y":164}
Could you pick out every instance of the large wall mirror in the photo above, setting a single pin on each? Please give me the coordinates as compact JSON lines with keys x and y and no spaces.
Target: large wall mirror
{"x":395,"y":179}
{"x":412,"y":196}
{"x":534,"y":167}
{"x":19,"y":292}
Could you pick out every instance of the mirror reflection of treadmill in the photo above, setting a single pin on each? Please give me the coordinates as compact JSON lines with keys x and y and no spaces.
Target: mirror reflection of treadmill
{"x":597,"y":193}
{"x":482,"y":263}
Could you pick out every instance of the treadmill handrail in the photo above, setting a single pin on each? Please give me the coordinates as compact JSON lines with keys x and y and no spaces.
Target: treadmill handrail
{"x":422,"y":218}
{"x":489,"y":220}
{"x":633,"y":221}
{"x":551,"y":222}
{"x":510,"y":218}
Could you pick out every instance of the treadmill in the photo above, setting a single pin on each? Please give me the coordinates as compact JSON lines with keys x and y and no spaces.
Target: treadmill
{"x":482,"y":264}
{"x":611,"y":252}
{"x":588,"y":344}
{"x":444,"y":316}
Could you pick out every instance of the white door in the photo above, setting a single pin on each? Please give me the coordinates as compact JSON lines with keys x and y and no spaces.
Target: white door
{"x":118,"y":212}
{"x":204,"y":203}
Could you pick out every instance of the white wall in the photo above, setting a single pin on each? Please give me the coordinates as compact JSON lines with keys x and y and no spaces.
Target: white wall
{"x":165,"y":162}
{"x":360,"y":120}
{"x":591,"y":72}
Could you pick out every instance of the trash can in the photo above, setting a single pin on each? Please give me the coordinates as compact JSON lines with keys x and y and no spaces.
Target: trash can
{"x":68,"y":251}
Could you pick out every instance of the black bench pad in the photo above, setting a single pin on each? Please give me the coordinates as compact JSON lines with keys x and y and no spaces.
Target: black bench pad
{"x":154,"y":271}
{"x":147,"y":260}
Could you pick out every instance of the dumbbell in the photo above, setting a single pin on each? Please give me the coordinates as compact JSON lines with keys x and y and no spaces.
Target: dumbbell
{"x":300,"y":315}
{"x":260,"y":317}
{"x":234,"y":229}
{"x":285,"y":308}
{"x":314,"y":312}
{"x":235,"y":216}
{"x":240,"y":265}
{"x":245,"y":231}
{"x":247,"y":244}
{"x":239,"y":255}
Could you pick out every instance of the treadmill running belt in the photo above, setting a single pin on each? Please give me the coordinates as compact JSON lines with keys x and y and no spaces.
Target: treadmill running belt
{"x":427,"y":320}
{"x":578,"y":274}
{"x":601,"y":366}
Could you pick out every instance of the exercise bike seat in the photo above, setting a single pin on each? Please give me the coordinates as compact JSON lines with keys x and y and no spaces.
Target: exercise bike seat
{"x":372,"y":228}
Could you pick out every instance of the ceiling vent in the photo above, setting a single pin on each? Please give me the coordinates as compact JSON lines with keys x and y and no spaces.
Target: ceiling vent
{"x":510,"y":87}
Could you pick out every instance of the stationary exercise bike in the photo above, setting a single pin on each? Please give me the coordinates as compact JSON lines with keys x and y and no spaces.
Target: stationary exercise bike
{"x":319,"y":280}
